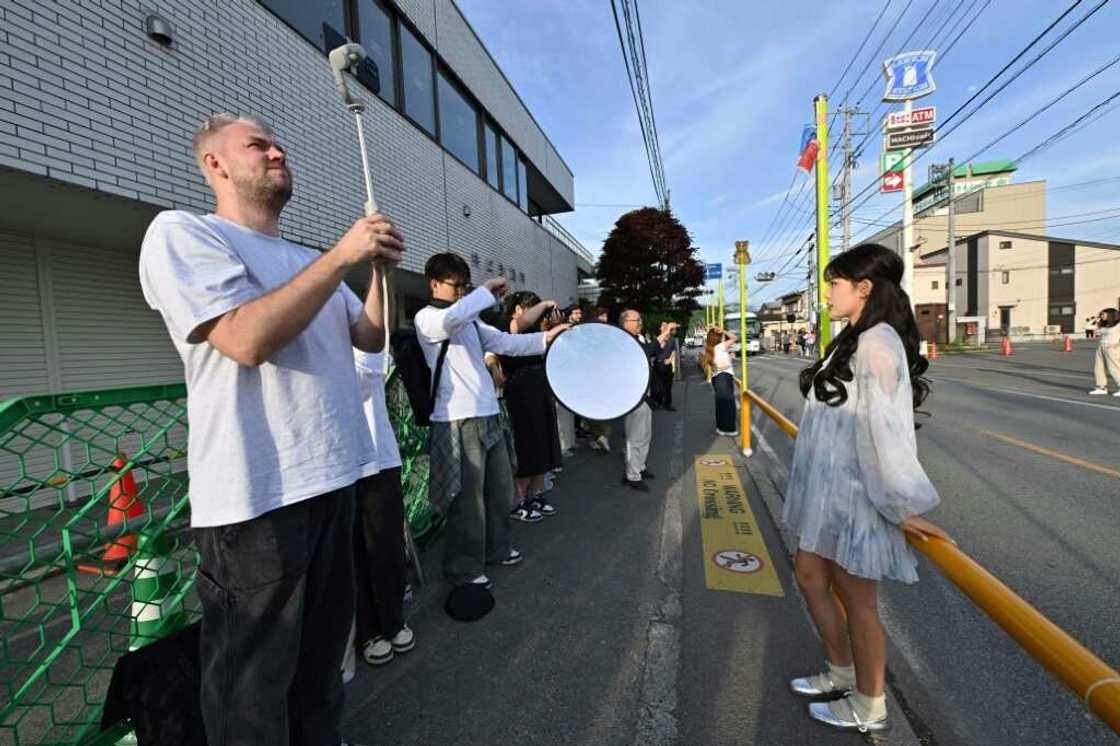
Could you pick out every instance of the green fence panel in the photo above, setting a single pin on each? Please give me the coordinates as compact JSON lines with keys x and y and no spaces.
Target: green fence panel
{"x":96,"y":556}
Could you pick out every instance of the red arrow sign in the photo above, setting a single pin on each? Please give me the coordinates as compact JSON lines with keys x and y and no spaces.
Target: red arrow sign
{"x":892,"y":182}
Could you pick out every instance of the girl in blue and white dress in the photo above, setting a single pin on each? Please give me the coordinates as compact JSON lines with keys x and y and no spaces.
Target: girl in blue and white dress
{"x":857,"y":488}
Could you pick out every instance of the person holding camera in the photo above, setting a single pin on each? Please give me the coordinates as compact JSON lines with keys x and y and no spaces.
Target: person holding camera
{"x":471,"y":477}
{"x":532,"y":409}
{"x":719,"y":364}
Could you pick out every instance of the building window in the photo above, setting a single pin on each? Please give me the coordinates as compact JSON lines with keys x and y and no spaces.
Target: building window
{"x":509,"y":170}
{"x":1005,"y":278}
{"x":522,"y":186}
{"x":1005,"y":244}
{"x":458,"y":124}
{"x":490,"y":140}
{"x":309,"y":17}
{"x":375,"y":33}
{"x":934,"y":285}
{"x":416,"y":70}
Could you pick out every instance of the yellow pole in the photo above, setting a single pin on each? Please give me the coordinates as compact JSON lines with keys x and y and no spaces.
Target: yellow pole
{"x":824,"y":318}
{"x":722,"y":321}
{"x":742,"y":258}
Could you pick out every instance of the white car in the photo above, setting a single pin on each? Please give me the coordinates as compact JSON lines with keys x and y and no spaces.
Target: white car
{"x":754,"y":346}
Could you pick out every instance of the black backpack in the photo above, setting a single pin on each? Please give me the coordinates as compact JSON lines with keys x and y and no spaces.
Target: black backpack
{"x":419,"y":383}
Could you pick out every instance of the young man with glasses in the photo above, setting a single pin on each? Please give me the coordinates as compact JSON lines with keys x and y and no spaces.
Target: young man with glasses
{"x":470,"y":465}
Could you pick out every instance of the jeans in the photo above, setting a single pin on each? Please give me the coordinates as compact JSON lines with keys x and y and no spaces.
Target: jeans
{"x":277,"y":595}
{"x":379,"y":559}
{"x":477,"y":527}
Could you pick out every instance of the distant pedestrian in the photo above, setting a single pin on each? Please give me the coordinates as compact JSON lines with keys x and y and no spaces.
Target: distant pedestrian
{"x":810,"y":342}
{"x":1107,"y":361}
{"x":1090,"y":327}
{"x":801,"y":341}
{"x":717,"y":360}
{"x":639,"y":423}
{"x":857,"y":488}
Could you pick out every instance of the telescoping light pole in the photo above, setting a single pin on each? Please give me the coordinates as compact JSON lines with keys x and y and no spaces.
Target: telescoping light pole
{"x":742,"y":259}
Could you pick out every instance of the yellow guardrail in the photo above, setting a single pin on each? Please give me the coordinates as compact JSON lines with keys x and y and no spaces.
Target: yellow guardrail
{"x":1095,"y":682}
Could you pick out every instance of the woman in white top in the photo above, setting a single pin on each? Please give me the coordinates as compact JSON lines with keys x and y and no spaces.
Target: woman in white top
{"x":379,"y":553}
{"x":1107,"y":361}
{"x":857,"y":488}
{"x":718,"y":364}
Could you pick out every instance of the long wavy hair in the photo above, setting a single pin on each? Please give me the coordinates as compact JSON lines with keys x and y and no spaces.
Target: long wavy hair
{"x":1110,"y":317}
{"x":889,"y":303}
{"x":715,"y":336}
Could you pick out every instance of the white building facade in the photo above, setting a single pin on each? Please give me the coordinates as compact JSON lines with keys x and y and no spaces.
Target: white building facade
{"x":96,"y":119}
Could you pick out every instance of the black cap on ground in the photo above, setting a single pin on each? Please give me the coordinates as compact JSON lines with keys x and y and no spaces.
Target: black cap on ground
{"x":468,"y":603}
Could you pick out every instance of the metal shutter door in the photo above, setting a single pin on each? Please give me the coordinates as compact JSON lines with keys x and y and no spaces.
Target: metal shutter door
{"x":107,"y":335}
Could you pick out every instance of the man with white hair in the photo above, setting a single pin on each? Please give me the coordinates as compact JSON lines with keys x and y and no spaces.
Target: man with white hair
{"x":639,"y":423}
{"x":266,"y":328}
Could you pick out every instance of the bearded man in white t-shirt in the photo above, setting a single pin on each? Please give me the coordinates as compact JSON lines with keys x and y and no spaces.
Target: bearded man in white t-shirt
{"x":266,"y":330}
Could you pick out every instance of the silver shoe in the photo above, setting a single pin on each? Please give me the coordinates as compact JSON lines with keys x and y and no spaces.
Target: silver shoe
{"x":809,"y":686}
{"x":822,"y":712}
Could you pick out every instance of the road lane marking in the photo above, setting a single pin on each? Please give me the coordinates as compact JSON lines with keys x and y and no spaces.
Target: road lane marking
{"x":1012,"y":371}
{"x":1058,"y":455}
{"x":735,"y":554}
{"x":970,"y":384}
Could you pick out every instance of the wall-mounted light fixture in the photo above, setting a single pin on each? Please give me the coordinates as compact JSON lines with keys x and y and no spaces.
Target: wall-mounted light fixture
{"x":466,"y":211}
{"x":158,"y":30}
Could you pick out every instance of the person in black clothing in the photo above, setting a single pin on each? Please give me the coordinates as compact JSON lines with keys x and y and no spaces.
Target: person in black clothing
{"x":663,"y":366}
{"x":532,"y":410}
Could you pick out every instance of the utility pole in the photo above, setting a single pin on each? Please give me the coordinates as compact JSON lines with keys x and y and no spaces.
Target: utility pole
{"x":946,"y":170}
{"x":845,"y":191}
{"x":908,"y":214}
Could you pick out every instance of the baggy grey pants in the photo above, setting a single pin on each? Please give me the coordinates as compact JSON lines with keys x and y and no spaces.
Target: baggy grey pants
{"x":639,"y":432}
{"x":566,"y":424}
{"x":478,"y":517}
{"x":1107,"y":362}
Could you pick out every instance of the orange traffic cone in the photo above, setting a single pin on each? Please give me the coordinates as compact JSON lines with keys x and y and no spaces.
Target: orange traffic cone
{"x":123,"y":503}
{"x":1069,"y":344}
{"x":932,"y":350}
{"x":1005,"y":349}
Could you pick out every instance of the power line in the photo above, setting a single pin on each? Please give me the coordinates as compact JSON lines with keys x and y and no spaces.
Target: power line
{"x":633,"y":58}
{"x":1003,"y":86}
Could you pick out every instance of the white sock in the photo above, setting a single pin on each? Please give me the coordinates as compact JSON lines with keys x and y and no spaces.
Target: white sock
{"x":842,"y":676}
{"x":869,"y":709}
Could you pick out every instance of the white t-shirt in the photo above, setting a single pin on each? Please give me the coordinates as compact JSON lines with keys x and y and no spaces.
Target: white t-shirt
{"x":465,"y":386}
{"x":371,"y":387}
{"x":721,"y":359}
{"x":267,"y":436}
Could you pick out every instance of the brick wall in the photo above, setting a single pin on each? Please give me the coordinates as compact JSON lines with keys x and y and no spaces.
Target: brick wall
{"x":87,"y":98}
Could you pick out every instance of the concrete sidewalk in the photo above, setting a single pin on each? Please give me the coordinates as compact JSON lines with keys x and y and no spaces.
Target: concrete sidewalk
{"x":608,"y":633}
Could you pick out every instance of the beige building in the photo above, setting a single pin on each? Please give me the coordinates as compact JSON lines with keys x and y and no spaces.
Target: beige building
{"x":1031,"y":285}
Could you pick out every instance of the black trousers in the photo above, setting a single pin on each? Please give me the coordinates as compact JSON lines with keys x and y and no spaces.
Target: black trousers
{"x":724,"y":386}
{"x":665,"y":373}
{"x":277,"y":596}
{"x":379,"y":559}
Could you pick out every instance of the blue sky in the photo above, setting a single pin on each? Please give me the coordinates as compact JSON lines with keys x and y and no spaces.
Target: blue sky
{"x":733,"y":83}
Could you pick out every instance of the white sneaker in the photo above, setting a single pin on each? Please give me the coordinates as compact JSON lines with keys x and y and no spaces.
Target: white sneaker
{"x":484,"y":581}
{"x":403,"y":641}
{"x":378,"y":651}
{"x":1098,"y":392}
{"x":604,"y":443}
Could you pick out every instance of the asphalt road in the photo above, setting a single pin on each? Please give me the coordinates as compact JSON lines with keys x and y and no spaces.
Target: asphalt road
{"x":1027,"y":467}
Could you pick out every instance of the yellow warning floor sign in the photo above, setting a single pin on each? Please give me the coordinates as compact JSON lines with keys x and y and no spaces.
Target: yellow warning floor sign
{"x":735,"y":555}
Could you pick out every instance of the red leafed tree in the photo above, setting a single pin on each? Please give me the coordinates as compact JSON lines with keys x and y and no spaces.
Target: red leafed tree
{"x":649,"y":263}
